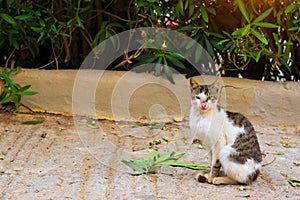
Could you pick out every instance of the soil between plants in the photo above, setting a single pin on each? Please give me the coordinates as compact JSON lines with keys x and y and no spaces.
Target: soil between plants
{"x":80,"y":158}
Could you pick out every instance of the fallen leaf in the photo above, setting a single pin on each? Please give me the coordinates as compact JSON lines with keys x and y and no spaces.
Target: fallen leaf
{"x":296,"y":163}
{"x":161,"y":127}
{"x":115,"y":133}
{"x":268,"y":143}
{"x":138,"y":125}
{"x":294,"y":142}
{"x":244,"y":195}
{"x":153,"y":159}
{"x":284,"y":144}
{"x":170,"y":139}
{"x":32,"y":122}
{"x":285,"y":137}
{"x":294,"y":182}
{"x":278,"y":153}
{"x":90,"y":125}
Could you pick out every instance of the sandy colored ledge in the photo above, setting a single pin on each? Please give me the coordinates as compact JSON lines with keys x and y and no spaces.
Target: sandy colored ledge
{"x":133,"y":97}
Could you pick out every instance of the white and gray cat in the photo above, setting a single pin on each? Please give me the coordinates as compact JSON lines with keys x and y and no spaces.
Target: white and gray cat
{"x":229,"y":137}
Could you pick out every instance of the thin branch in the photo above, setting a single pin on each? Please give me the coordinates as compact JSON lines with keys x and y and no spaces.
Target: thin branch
{"x":234,"y":62}
{"x":9,"y":57}
{"x":128,"y":59}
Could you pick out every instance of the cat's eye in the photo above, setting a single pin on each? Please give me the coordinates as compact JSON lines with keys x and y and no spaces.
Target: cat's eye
{"x":197,"y":97}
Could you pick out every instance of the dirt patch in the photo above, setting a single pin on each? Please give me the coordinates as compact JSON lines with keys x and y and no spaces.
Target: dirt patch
{"x":80,"y":158}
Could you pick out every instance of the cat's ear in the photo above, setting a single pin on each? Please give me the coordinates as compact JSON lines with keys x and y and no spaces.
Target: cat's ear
{"x":193,"y":84}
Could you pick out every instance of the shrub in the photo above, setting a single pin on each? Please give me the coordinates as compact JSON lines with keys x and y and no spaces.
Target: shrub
{"x":10,"y":91}
{"x":253,"y":39}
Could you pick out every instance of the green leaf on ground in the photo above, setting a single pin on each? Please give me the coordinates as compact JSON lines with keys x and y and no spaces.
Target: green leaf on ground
{"x":90,"y":125}
{"x":32,"y":122}
{"x":161,"y":127}
{"x":153,"y":159}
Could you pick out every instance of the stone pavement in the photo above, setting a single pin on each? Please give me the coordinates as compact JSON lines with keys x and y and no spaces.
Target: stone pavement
{"x":66,"y":159}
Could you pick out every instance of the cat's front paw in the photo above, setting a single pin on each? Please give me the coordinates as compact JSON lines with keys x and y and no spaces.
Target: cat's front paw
{"x":217,"y":181}
{"x":208,"y":177}
{"x":203,"y":178}
{"x":200,"y":177}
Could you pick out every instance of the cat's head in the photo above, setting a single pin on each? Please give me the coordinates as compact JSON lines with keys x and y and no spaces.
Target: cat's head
{"x":204,"y":97}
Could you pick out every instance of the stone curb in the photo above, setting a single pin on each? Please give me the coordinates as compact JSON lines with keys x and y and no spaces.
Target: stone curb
{"x":131,"y":96}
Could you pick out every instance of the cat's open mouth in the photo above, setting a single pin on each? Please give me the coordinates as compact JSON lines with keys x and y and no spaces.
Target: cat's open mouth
{"x":204,"y":105}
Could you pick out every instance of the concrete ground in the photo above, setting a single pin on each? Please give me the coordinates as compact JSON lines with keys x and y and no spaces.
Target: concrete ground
{"x":79,"y":158}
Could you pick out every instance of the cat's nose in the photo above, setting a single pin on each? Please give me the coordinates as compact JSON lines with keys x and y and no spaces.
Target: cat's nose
{"x":203,"y":100}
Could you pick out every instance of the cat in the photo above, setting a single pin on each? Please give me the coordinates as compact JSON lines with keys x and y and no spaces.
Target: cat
{"x":229,"y":137}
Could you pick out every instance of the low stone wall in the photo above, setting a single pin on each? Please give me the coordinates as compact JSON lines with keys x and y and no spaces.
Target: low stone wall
{"x":134,"y":97}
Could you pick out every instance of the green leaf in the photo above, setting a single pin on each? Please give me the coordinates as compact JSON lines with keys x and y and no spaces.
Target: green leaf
{"x":237,"y":32}
{"x":186,"y":5}
{"x":157,"y":68}
{"x":246,"y":30}
{"x":191,"y":10}
{"x":293,"y":28}
{"x":179,"y":7}
{"x":258,"y":55}
{"x":24,"y":17}
{"x":266,"y":25}
{"x":223,"y":41}
{"x":26,"y":93}
{"x":168,"y":71}
{"x":211,"y":10}
{"x":142,"y":3}
{"x":243,"y":10}
{"x":263,"y":15}
{"x":186,"y":165}
{"x":175,"y":61}
{"x":177,"y":55}
{"x":139,"y":167}
{"x":161,"y":127}
{"x":8,"y":19}
{"x":7,"y":99}
{"x":209,"y":47}
{"x":32,"y":122}
{"x":147,"y":164}
{"x":147,"y":58}
{"x":198,"y":53}
{"x":15,"y":43}
{"x":290,"y":8}
{"x":259,"y":36}
{"x":22,"y":91}
{"x":162,"y":159}
{"x":92,"y":126}
{"x":9,"y":82}
{"x":79,"y":22}
{"x":26,"y":87}
{"x":204,"y":14}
